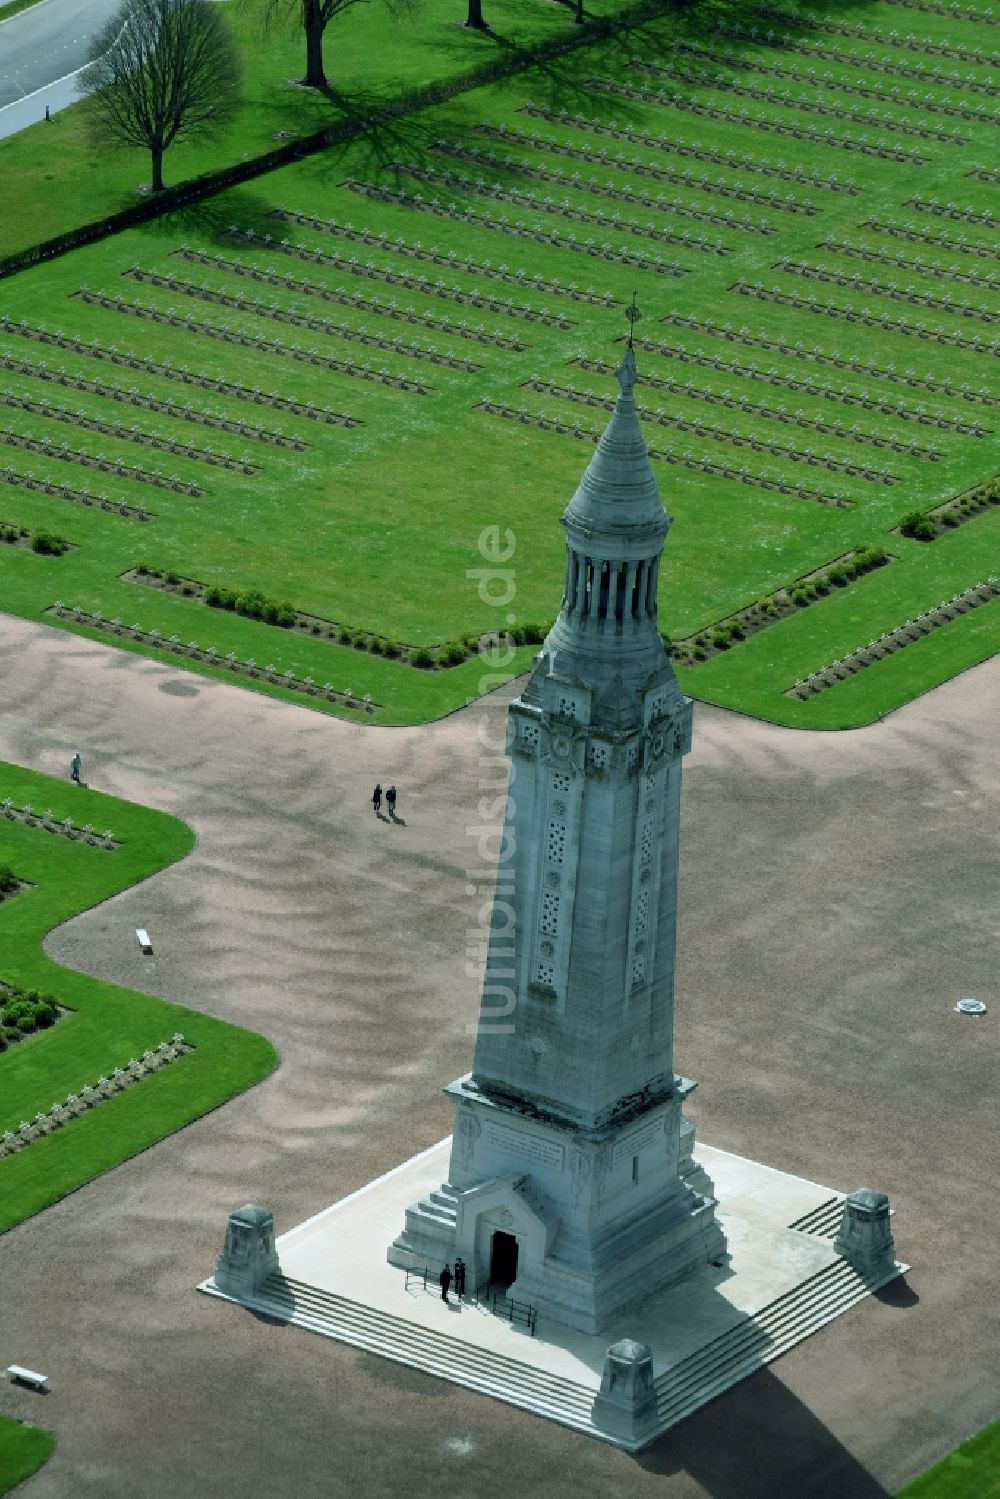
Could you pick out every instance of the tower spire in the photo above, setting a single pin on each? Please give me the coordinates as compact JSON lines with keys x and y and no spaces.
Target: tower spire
{"x":633,"y":314}
{"x":615,"y":527}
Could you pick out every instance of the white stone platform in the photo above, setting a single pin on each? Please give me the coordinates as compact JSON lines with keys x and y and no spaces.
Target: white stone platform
{"x":782,"y":1284}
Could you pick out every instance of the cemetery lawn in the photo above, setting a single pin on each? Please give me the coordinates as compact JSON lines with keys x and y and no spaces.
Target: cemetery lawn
{"x":59,"y":180}
{"x":428,"y":320}
{"x":23,"y":1450}
{"x":972,"y":1471}
{"x":108,"y":1025}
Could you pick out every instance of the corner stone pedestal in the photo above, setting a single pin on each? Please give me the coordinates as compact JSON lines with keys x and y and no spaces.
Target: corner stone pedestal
{"x":248,"y":1256}
{"x":626,"y":1406}
{"x":865,"y":1236}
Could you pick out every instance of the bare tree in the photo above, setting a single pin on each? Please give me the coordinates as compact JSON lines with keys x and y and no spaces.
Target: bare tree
{"x":316,"y":17}
{"x":159,"y":71}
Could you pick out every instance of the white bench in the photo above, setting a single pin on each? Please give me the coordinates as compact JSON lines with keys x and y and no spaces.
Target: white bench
{"x":17,"y":1375}
{"x":142,"y":937}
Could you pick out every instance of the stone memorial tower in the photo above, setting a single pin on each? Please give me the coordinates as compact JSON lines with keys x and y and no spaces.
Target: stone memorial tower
{"x":571,"y":1182}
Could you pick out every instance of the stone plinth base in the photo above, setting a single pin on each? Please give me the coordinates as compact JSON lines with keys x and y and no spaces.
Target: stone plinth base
{"x":723,"y":1323}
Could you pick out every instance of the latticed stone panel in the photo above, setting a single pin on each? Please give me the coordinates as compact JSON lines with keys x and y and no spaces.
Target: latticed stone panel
{"x":549,"y":922}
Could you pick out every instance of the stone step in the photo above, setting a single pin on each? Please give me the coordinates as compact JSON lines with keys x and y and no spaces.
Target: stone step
{"x":424,"y":1348}
{"x":823,"y":1221}
{"x":757,"y":1332}
{"x":705,"y":1374}
{"x":448,"y":1356}
{"x":432,"y":1212}
{"x":758,"y":1340}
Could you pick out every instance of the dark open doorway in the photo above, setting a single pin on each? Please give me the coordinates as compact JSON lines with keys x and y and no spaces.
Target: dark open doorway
{"x":503,"y":1260}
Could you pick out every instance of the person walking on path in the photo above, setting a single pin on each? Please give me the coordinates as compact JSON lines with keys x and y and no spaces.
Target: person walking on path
{"x":444,"y":1280}
{"x":74,"y":768}
{"x":377,"y":800}
{"x":459,"y":1278}
{"x":390,"y":801}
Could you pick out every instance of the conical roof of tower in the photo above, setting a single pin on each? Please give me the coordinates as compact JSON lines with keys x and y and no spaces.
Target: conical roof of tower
{"x":618,"y":494}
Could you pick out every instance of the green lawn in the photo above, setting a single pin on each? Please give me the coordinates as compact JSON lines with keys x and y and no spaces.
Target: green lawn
{"x":782,"y":438}
{"x":58,"y":179}
{"x":23,"y":1450}
{"x":972,"y":1471}
{"x":108,"y":1024}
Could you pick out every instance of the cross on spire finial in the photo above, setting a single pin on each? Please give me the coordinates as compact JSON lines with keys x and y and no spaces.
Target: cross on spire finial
{"x":633,"y":314}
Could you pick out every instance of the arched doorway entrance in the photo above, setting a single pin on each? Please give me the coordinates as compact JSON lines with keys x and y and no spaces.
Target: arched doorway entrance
{"x":503,"y":1259}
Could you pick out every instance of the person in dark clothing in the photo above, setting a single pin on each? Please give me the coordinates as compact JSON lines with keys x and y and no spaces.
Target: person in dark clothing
{"x":390,"y":800}
{"x":459,"y":1278}
{"x":444,"y":1279}
{"x":377,"y":800}
{"x":74,"y":768}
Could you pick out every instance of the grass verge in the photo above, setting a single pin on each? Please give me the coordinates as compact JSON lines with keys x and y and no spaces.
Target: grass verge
{"x":972,"y":1471}
{"x":108,"y":1024}
{"x":14,"y":8}
{"x":23,"y":1450}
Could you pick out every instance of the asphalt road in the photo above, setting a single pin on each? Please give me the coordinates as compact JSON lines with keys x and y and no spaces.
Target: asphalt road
{"x":46,"y":43}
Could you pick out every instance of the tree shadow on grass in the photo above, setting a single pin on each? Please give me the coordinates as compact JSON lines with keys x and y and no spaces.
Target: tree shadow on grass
{"x":209,"y":220}
{"x":408,"y":138}
{"x":709,"y":18}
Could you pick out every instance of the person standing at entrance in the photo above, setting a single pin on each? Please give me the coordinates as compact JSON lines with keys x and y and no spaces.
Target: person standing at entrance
{"x":377,"y":800}
{"x":444,"y":1280}
{"x":459,"y":1278}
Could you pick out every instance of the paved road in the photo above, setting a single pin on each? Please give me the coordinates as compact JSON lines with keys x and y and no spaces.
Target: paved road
{"x":838,"y":893}
{"x":46,"y":43}
{"x":41,"y":53}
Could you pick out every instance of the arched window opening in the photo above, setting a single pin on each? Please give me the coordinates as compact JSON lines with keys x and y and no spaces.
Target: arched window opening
{"x":654,"y":570}
{"x":588,"y":586}
{"x":638,"y":590}
{"x":621,"y":592}
{"x":602,"y":606}
{"x":571,"y":600}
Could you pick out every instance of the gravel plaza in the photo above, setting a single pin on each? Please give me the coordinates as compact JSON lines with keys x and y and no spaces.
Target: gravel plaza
{"x":837,"y":899}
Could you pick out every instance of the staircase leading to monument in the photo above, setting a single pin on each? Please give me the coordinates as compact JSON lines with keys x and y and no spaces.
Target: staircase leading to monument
{"x":476,"y":1367}
{"x":681,"y":1390}
{"x":823,"y":1221}
{"x":757,"y":1340}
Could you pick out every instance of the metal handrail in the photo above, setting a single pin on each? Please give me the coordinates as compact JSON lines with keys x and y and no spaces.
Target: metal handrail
{"x":520,"y":1310}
